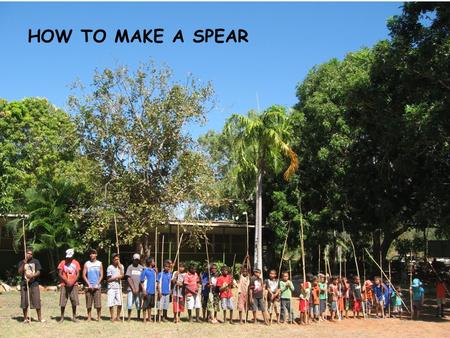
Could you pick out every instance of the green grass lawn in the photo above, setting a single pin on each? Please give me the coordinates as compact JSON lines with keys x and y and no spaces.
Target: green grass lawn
{"x":11,"y":325}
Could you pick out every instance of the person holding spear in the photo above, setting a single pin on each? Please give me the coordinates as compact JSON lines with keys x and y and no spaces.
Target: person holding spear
{"x":114,"y":274}
{"x":30,"y":269}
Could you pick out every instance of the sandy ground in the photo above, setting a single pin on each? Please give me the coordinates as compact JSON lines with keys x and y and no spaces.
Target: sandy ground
{"x":11,"y":325}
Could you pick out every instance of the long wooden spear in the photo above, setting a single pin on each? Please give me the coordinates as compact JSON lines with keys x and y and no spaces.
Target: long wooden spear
{"x":385,"y":276}
{"x":389,"y":295}
{"x":120,"y":281}
{"x":156,"y":267}
{"x":357,"y":273}
{"x":160,"y":279}
{"x":24,"y":271}
{"x":340,"y":279}
{"x":410,"y":285}
{"x":302,"y":246}
{"x":177,"y":288}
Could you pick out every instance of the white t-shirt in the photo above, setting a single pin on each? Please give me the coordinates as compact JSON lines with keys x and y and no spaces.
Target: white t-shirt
{"x":113,"y":271}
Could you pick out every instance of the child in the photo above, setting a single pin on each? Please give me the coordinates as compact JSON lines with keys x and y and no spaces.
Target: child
{"x":225,"y":285}
{"x":148,"y":285}
{"x":114,"y":274}
{"x":243,"y":284}
{"x":368,"y":296}
{"x":178,"y":292}
{"x":357,"y":297}
{"x":286,"y":288}
{"x":191,"y":284}
{"x":379,"y":291}
{"x":397,"y":310}
{"x":387,"y":298}
{"x":315,"y":297}
{"x":163,"y":287}
{"x":440,"y":297}
{"x":256,"y":288}
{"x":273,"y":295}
{"x":323,"y":296}
{"x":418,"y":293}
{"x":212,"y":299}
{"x":345,"y":296}
{"x":303,"y":304}
{"x":334,"y":293}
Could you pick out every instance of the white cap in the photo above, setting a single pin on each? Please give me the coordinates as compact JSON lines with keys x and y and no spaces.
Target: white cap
{"x":69,"y":253}
{"x":136,"y":256}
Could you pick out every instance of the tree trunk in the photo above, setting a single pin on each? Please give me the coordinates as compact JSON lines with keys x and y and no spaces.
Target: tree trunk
{"x":258,"y":221}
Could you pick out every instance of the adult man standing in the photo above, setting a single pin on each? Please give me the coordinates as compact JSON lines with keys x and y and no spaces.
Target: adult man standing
{"x":93,"y":275}
{"x":30,"y":269}
{"x":69,"y":271}
{"x":133,"y":274}
{"x":114,"y":274}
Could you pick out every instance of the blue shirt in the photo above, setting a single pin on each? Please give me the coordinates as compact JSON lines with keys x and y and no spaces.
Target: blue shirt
{"x":93,"y":270}
{"x":164,"y":278}
{"x":378,"y":291}
{"x":205,"y":278}
{"x":418,"y":293}
{"x":149,"y":275}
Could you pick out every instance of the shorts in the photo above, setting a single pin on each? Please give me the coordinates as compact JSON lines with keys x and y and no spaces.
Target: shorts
{"x":357,"y":305}
{"x":134,"y":299}
{"x":243,"y":302}
{"x":323,"y":305}
{"x":440,"y":301}
{"x":334,"y":306}
{"x":177,"y":304}
{"x":205,"y":299}
{"x":397,"y":309}
{"x":67,"y":292}
{"x":417,"y":305}
{"x":193,"y":302}
{"x":35,"y":297}
{"x":273,"y":305}
{"x":258,"y":304}
{"x":213,"y":302}
{"x":227,"y":304}
{"x":114,"y":297}
{"x":341,"y":304}
{"x":93,"y":297}
{"x":303,"y":305}
{"x":149,"y":301}
{"x":316,"y":309}
{"x":164,"y":302}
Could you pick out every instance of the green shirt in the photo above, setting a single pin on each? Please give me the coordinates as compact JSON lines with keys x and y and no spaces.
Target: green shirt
{"x":323,"y":290}
{"x":286,"y":292}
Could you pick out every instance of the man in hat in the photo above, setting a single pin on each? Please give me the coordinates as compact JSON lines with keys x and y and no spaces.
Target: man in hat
{"x":93,"y":275}
{"x":114,"y":275}
{"x":30,"y":269}
{"x":133,"y":274}
{"x":69,"y":271}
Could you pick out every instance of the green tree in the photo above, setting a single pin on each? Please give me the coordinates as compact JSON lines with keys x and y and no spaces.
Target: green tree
{"x":134,"y":125}
{"x":37,"y":141}
{"x":260,"y":142}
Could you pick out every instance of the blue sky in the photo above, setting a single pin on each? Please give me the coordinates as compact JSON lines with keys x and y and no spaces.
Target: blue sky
{"x":285,"y":41}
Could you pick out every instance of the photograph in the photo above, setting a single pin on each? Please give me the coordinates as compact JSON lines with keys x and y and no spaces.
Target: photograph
{"x":202,"y":169}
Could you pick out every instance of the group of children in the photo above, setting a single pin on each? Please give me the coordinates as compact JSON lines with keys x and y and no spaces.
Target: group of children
{"x":151,"y":291}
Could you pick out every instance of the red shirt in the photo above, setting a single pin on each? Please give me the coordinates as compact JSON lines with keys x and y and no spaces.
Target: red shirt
{"x":191,"y":281}
{"x":69,"y":271}
{"x":440,"y":290}
{"x":225,"y":293}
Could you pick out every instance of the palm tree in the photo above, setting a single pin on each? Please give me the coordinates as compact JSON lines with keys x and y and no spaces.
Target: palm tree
{"x":259,"y":143}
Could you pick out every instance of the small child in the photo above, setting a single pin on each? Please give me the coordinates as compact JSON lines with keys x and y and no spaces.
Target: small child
{"x":334,"y":293}
{"x":192,"y":283}
{"x":418,"y":293}
{"x":286,"y":288}
{"x":243,"y":284}
{"x":346,"y":297}
{"x":357,"y":297}
{"x":256,"y":288}
{"x":178,"y":292}
{"x":398,"y":309}
{"x":323,"y":296}
{"x":163,"y":287}
{"x":225,"y":285}
{"x":315,"y":297}
{"x":303,"y":304}
{"x":273,"y":295}
{"x":440,"y":297}
{"x":379,"y":291}
{"x":368,"y":296}
{"x":148,"y":284}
